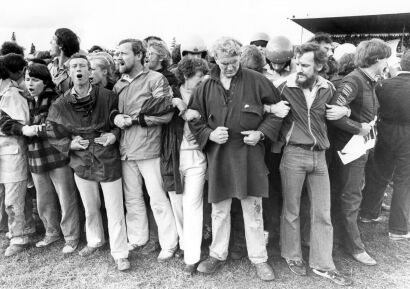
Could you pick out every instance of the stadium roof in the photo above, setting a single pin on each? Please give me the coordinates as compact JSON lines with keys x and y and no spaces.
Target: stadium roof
{"x":357,"y":25}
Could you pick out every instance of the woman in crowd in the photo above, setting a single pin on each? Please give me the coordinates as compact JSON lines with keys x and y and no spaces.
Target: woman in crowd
{"x":102,"y":70}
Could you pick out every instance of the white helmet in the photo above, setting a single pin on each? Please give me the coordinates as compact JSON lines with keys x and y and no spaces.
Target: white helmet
{"x":193,"y":44}
{"x":343,"y":49}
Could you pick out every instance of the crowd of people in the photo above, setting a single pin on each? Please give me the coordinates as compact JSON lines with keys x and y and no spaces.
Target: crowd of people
{"x":243,"y":138}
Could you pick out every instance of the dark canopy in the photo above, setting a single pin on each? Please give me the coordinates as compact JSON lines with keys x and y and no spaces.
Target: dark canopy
{"x":351,"y":25}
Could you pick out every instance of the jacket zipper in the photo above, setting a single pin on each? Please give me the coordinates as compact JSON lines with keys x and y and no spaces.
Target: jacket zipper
{"x":310,"y":129}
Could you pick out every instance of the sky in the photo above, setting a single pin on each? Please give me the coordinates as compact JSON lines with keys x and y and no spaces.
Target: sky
{"x":105,"y":23}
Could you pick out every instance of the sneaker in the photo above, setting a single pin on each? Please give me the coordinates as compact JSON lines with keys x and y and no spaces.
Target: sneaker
{"x":70,"y":246}
{"x":237,"y":252}
{"x":265,"y":271}
{"x":48,"y":240}
{"x":165,"y":255}
{"x":398,"y":237}
{"x":122,"y":264}
{"x":379,"y":219}
{"x":210,"y":265}
{"x":190,"y":269}
{"x":13,"y":249}
{"x":364,"y":258}
{"x":151,"y":247}
{"x":297,"y":266}
{"x":334,"y":276}
{"x":87,"y":251}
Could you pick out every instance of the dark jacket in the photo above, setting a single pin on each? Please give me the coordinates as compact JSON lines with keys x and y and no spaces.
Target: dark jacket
{"x":235,"y":169}
{"x":89,"y":118}
{"x":357,"y":91}
{"x":306,"y":126}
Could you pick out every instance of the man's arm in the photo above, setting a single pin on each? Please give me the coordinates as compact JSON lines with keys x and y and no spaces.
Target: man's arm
{"x":344,"y":95}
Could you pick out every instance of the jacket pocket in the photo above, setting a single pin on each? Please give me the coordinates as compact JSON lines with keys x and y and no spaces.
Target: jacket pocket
{"x":251,"y":116}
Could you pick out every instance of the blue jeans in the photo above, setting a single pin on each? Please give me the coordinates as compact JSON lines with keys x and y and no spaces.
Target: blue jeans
{"x":297,"y":165}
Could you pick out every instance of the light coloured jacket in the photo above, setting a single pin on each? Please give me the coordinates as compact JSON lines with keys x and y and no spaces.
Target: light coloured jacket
{"x":13,"y":149}
{"x":142,"y":141}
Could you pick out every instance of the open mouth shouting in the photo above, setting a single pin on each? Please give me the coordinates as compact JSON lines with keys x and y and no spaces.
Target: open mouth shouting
{"x":79,"y":75}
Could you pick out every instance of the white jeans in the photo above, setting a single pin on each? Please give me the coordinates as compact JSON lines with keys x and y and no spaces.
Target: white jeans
{"x":188,"y":206}
{"x":137,"y":221}
{"x":253,"y":222}
{"x":114,"y":205}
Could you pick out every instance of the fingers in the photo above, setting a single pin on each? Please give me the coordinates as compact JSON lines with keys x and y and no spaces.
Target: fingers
{"x":246,"y":132}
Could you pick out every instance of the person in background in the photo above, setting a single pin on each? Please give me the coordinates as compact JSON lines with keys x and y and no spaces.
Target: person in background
{"x":102,"y":70}
{"x":63,"y":45}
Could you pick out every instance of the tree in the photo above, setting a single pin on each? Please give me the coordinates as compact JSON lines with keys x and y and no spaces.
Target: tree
{"x":13,"y":37}
{"x":173,"y":43}
{"x":32,"y":49}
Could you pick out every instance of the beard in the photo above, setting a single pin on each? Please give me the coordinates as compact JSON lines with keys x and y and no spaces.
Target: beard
{"x":307,"y":83}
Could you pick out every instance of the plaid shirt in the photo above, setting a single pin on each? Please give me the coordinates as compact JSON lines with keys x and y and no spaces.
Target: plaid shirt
{"x":42,"y":156}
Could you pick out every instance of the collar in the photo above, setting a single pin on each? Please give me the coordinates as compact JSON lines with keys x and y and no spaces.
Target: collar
{"x":320,"y":82}
{"x":129,"y":79}
{"x":370,"y":78}
{"x":75,"y":94}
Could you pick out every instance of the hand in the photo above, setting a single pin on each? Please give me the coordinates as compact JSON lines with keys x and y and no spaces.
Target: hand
{"x":106,"y":139}
{"x":180,"y":104}
{"x":191,"y":114}
{"x":219,"y":135}
{"x":252,"y":137}
{"x":280,"y":109}
{"x":335,"y":112}
{"x":365,"y":130}
{"x":29,"y":131}
{"x":78,"y":144}
{"x":122,"y":121}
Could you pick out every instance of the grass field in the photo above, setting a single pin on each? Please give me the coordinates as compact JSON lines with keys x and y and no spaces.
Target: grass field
{"x":48,"y":268}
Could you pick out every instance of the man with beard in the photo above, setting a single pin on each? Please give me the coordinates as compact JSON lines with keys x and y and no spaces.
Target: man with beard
{"x":305,"y":135}
{"x":140,"y":147}
{"x":230,"y":131}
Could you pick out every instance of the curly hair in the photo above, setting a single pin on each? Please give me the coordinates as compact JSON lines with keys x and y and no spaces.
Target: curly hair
{"x":320,"y":55}
{"x":251,"y":54}
{"x":11,"y":47}
{"x":188,"y":67}
{"x":370,"y":51}
{"x":40,"y":71}
{"x":68,"y":41}
{"x":14,"y":62}
{"x":162,"y":50}
{"x":226,"y":45}
{"x":4,"y":74}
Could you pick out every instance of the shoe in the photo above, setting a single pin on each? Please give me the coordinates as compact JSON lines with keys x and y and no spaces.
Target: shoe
{"x":237,"y":252}
{"x":364,"y":258}
{"x":87,"y":251}
{"x":179,"y":254}
{"x":8,"y":235}
{"x":379,"y":219}
{"x":210,"y":265}
{"x":165,"y":255}
{"x":122,"y":264}
{"x":297,"y":266}
{"x":265,"y":271}
{"x":70,"y":246}
{"x":150,"y":247}
{"x":190,"y":269}
{"x":132,"y":247}
{"x":13,"y":250}
{"x":398,"y":237}
{"x":48,"y":240}
{"x":334,"y":276}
